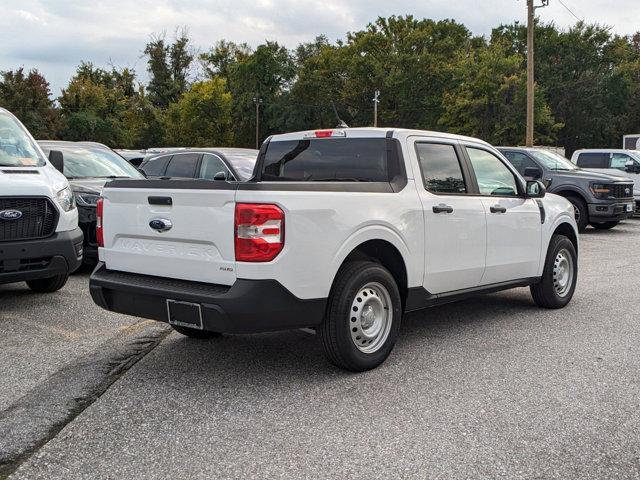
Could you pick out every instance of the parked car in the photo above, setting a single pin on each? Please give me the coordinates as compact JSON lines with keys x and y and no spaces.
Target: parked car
{"x":619,"y":162}
{"x":339,"y":230}
{"x":88,"y":166}
{"x":599,"y":199}
{"x":203,"y":163}
{"x":40,"y":242}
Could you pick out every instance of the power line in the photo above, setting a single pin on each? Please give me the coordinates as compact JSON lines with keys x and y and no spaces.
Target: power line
{"x":570,"y":11}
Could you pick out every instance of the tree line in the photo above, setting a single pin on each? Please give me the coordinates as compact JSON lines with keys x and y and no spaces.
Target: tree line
{"x":433,"y":75}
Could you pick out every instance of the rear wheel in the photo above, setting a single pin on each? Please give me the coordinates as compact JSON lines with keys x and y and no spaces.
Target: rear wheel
{"x":195,"y":333}
{"x":558,"y":281}
{"x":48,"y":285}
{"x":363,"y":317}
{"x":604,"y":225}
{"x":581,"y":212}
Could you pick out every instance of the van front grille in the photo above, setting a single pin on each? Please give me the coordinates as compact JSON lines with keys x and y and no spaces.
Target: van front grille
{"x":26,"y":218}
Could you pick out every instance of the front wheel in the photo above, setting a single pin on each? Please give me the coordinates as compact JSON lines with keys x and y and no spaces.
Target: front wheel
{"x":604,"y":225}
{"x":363,"y":317}
{"x":558,"y":281}
{"x":581,"y":212}
{"x":48,"y":285}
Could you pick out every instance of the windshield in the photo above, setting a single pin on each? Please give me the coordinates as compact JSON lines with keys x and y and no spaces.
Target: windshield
{"x":552,"y":161}
{"x":16,"y":148}
{"x":93,"y":162}
{"x":242,"y":163}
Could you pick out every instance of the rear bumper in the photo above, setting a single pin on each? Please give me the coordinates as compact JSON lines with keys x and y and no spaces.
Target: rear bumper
{"x":248,"y":306}
{"x":36,"y":259}
{"x":599,"y":212}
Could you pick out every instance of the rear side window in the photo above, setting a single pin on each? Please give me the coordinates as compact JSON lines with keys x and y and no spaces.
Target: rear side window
{"x":344,"y":159}
{"x":440,"y":167}
{"x":156,"y":167}
{"x":593,"y":160}
{"x":183,"y":165}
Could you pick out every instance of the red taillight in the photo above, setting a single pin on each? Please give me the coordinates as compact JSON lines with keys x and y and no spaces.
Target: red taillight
{"x":259,"y":235}
{"x":323,"y":133}
{"x":99,"y":230}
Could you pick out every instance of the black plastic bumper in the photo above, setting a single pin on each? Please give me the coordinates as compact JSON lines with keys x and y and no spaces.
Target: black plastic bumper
{"x":610,"y":212}
{"x":35,"y":259}
{"x":87,"y":222}
{"x":248,"y":306}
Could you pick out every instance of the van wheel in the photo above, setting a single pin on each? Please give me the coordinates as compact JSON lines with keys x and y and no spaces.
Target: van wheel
{"x":363,"y":317}
{"x":558,"y":281}
{"x":48,"y":285}
{"x":581,"y":212}
{"x":196,"y":333}
{"x":604,"y":225}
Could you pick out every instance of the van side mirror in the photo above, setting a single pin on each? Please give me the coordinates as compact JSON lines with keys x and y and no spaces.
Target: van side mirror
{"x":57,"y":160}
{"x":535,"y":189}
{"x":532,"y":172}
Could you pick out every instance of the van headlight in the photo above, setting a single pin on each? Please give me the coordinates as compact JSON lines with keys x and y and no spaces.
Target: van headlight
{"x":65,"y":199}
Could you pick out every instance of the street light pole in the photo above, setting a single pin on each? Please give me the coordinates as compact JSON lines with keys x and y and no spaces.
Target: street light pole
{"x":258,"y":102}
{"x":375,"y":107}
{"x":531,"y":8}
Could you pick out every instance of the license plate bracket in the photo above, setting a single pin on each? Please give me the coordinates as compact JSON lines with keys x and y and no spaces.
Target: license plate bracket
{"x":184,"y":314}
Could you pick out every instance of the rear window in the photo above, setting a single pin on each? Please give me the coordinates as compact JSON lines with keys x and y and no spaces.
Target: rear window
{"x":156,"y":167}
{"x":344,"y":159}
{"x":183,"y":165}
{"x":593,"y":160}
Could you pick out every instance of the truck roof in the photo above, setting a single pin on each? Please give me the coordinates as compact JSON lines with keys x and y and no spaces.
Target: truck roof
{"x":372,"y":132}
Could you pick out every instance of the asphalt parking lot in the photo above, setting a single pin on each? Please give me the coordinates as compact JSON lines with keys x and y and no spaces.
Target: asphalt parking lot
{"x":492,"y":387}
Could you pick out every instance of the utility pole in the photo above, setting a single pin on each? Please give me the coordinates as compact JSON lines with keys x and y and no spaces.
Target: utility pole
{"x":531,"y":8}
{"x":375,"y":107}
{"x":258,"y":102}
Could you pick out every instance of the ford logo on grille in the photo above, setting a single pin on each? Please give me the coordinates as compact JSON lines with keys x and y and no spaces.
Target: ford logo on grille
{"x":10,"y":214}
{"x":160,"y":224}
{"x":627,"y":191}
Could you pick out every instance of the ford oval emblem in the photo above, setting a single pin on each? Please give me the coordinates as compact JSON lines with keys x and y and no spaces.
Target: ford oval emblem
{"x":161,"y":224}
{"x":10,"y":214}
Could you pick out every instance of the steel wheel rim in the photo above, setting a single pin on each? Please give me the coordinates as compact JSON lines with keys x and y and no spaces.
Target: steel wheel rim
{"x":370,"y":317}
{"x":563,"y":272}
{"x":576,"y":212}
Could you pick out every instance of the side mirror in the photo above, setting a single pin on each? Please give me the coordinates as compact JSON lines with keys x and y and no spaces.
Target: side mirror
{"x":57,"y":160}
{"x":631,"y":167}
{"x":532,"y":172}
{"x":536,"y":189}
{"x":220,"y":176}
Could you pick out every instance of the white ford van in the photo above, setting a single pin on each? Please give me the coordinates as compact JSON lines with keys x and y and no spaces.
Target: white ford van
{"x":40,"y":242}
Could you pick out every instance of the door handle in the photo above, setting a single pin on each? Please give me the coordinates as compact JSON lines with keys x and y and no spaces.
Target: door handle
{"x":442,"y":208}
{"x":498,"y":209}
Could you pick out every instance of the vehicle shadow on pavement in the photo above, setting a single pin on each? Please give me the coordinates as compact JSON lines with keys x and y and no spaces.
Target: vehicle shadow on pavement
{"x":240,"y":361}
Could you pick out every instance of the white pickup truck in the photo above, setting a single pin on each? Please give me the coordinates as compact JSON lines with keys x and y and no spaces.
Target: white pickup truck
{"x":339,"y":230}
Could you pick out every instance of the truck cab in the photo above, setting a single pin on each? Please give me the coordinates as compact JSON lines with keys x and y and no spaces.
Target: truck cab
{"x":40,"y":242}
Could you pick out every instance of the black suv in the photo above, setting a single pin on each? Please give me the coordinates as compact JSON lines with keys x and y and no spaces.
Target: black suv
{"x":599,"y":199}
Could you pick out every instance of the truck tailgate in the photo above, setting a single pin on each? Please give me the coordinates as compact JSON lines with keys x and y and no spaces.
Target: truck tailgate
{"x":196,"y":243}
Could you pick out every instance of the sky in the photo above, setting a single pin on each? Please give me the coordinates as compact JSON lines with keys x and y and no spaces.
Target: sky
{"x":54,"y":36}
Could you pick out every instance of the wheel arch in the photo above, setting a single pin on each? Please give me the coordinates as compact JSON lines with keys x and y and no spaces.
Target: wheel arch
{"x":566,"y":229}
{"x":570,"y":191}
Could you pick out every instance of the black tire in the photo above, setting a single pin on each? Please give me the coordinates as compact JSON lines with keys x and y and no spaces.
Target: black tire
{"x":581,"y":212}
{"x":48,"y":285}
{"x":545,"y":294}
{"x":195,"y":333}
{"x":336,"y":330}
{"x":604,"y":225}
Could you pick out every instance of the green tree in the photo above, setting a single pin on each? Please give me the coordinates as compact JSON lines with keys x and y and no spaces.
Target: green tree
{"x":168,"y":66}
{"x":202,"y":117}
{"x":27,"y":96}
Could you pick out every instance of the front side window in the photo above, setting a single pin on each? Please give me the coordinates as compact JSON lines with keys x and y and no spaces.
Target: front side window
{"x":493,"y":176}
{"x":211,"y":165}
{"x":16,"y":148}
{"x":619,"y":161}
{"x":552,"y":160}
{"x":440,"y":167}
{"x":520,"y":161}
